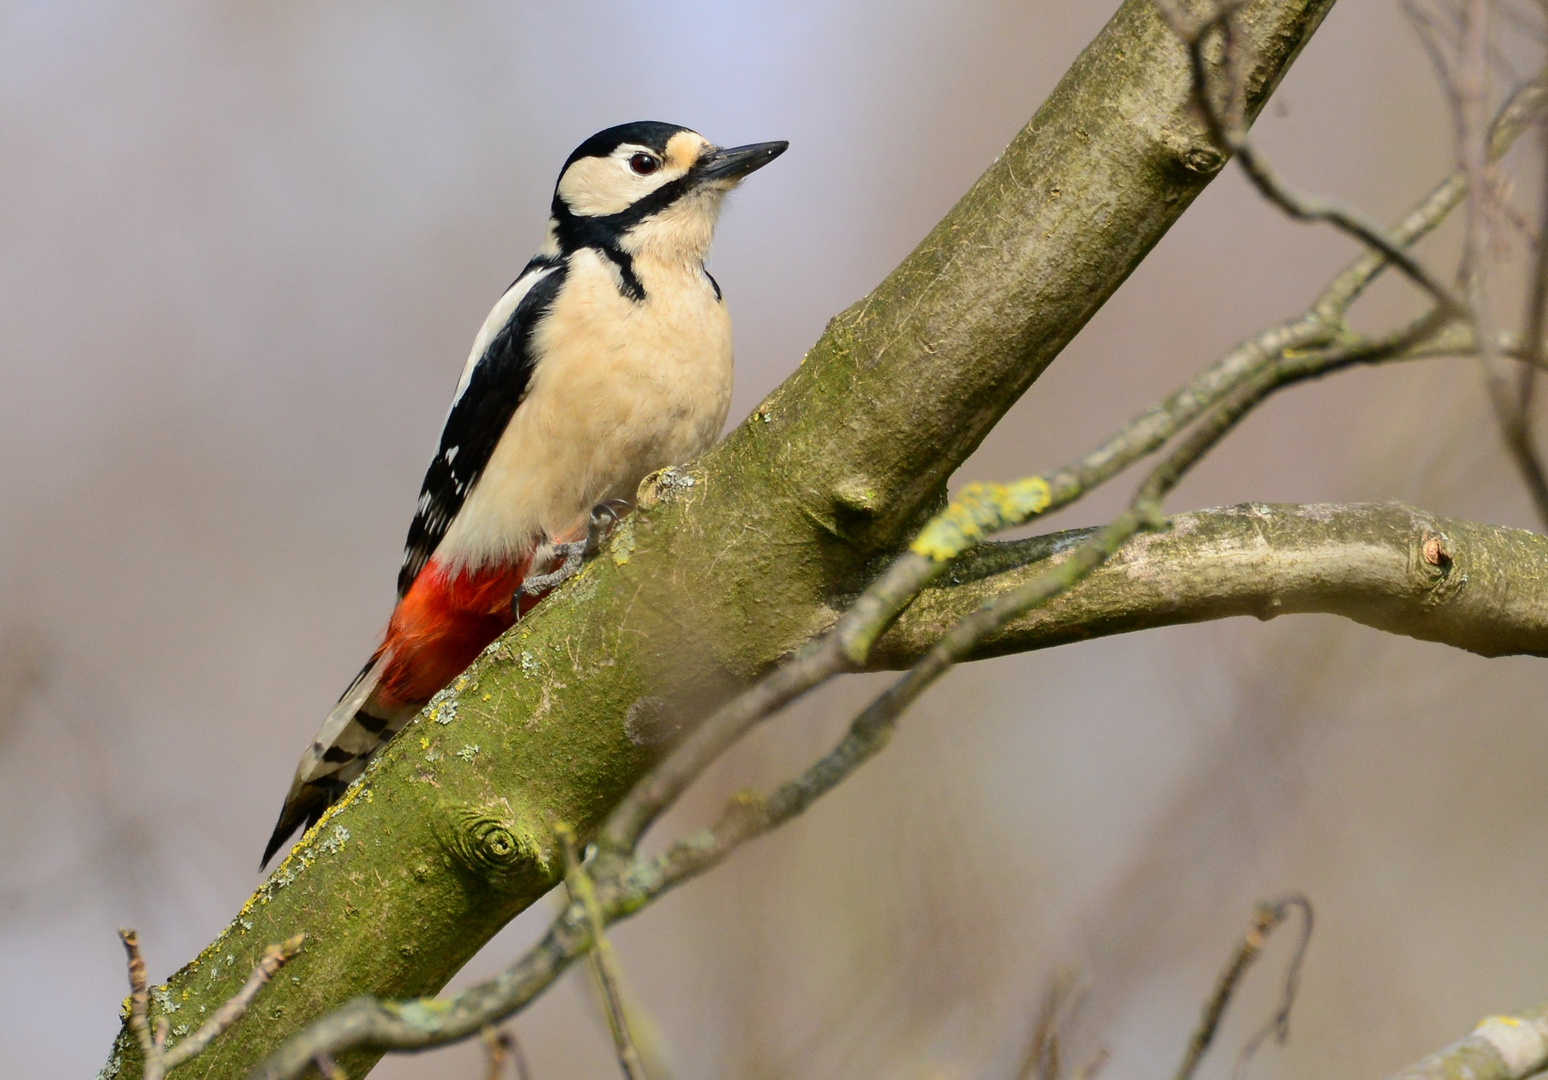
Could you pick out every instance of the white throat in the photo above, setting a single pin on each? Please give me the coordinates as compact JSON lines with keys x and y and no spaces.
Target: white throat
{"x":680,"y":233}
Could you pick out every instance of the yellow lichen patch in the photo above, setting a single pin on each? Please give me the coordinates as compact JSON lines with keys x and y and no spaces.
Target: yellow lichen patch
{"x":623,"y":545}
{"x":301,"y":855}
{"x":1521,"y":1044}
{"x":977,"y":511}
{"x":351,"y":793}
{"x":247,"y":909}
{"x":213,"y":949}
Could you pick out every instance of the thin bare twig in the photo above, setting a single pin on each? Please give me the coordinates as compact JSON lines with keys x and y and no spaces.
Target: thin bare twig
{"x":501,"y":1046}
{"x":1043,"y":1058}
{"x":158,"y":1059}
{"x":1441,"y":30}
{"x":139,"y":996}
{"x":1265,"y":920}
{"x":274,"y":958}
{"x":1522,"y":110}
{"x":1231,"y":134}
{"x":1278,"y":1025}
{"x":583,"y":892}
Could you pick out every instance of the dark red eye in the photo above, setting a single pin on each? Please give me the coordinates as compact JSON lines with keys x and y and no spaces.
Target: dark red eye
{"x":644,"y":164}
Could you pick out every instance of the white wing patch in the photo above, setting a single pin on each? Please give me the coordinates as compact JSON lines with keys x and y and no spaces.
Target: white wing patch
{"x":498,"y":316}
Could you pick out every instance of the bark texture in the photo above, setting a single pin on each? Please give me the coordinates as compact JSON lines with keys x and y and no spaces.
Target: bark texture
{"x":731,"y":562}
{"x":1483,"y":588}
{"x":1499,"y":1048}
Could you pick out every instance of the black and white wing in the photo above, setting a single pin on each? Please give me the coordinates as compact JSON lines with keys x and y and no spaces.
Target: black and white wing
{"x":492,"y":386}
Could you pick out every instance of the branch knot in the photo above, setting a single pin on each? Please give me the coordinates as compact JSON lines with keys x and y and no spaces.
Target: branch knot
{"x":491,"y":848}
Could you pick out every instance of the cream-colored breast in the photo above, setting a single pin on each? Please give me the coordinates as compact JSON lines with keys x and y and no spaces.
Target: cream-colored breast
{"x":623,"y":388}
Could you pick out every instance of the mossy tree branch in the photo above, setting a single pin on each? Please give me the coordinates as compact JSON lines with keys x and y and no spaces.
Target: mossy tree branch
{"x":733,"y":562}
{"x":1483,"y":588}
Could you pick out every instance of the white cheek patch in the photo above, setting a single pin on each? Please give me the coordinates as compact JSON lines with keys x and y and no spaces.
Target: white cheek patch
{"x":596,"y":186}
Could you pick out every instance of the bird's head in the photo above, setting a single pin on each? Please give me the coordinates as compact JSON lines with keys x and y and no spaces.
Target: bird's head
{"x":649,"y":188}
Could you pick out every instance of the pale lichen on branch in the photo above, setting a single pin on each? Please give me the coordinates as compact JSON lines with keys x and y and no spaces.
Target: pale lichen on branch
{"x":1499,"y":1048}
{"x":160,"y":1056}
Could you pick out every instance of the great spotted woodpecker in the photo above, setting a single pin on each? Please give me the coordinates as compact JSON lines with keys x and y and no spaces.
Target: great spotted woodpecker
{"x":607,"y":359}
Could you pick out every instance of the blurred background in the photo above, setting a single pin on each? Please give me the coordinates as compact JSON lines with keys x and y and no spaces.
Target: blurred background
{"x":243,"y":250}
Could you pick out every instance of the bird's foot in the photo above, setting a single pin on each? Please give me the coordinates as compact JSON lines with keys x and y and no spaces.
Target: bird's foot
{"x":571,"y":556}
{"x":605,"y":517}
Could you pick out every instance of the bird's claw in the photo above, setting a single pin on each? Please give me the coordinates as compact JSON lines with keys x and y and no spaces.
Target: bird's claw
{"x":604,"y":519}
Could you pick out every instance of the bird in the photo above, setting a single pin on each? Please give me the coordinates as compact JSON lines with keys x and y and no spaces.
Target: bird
{"x":607,"y":359}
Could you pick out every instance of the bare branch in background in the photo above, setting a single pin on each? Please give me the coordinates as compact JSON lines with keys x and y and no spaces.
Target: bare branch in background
{"x":501,"y":1046}
{"x":1459,"y":43}
{"x":1043,"y":1058}
{"x":1511,"y":400}
{"x":1265,"y":920}
{"x":139,"y":997}
{"x":1467,"y":85}
{"x":1216,"y":95}
{"x":604,"y":962}
{"x":1277,"y":1026}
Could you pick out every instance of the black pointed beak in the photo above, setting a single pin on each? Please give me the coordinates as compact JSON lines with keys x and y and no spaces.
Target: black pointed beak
{"x":738,"y":161}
